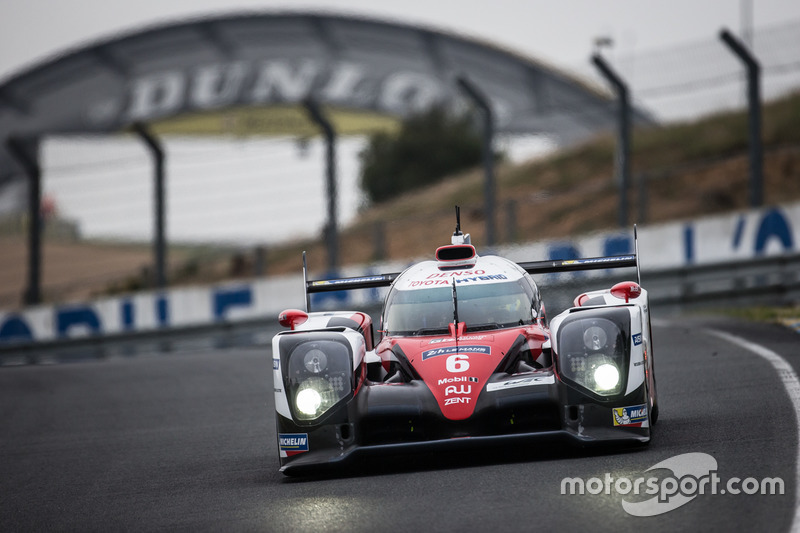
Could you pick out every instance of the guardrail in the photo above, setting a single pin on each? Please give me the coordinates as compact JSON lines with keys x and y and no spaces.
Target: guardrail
{"x":130,"y":344}
{"x":765,"y":280}
{"x":762,"y":281}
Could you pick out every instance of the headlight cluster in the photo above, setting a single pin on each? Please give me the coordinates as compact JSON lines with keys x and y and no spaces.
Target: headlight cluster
{"x":318,"y":375}
{"x":593,"y":350}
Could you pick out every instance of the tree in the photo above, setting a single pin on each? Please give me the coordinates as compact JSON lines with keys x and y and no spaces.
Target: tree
{"x":428,"y":147}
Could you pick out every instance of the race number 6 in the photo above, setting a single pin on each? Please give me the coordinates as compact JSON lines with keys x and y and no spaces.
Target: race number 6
{"x":457,"y":363}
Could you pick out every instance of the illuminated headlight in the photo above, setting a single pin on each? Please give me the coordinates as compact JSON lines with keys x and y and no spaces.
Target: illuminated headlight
{"x":318,"y":375}
{"x":315,"y":396}
{"x":606,"y":377}
{"x":597,"y":372}
{"x":308,"y":401}
{"x":593,"y":350}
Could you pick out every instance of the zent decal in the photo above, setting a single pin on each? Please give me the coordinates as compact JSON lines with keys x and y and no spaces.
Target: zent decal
{"x":451,"y":401}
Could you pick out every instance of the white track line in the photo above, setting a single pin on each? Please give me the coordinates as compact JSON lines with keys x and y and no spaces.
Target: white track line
{"x":790,"y":382}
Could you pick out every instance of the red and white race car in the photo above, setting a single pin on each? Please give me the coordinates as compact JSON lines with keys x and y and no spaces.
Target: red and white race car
{"x":465,"y":356}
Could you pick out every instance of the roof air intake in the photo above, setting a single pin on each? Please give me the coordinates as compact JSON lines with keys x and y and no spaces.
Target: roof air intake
{"x":456,"y":255}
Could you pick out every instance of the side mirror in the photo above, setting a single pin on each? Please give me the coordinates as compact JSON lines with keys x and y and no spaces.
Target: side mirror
{"x":291,"y":318}
{"x":626,"y":290}
{"x":541,"y":315}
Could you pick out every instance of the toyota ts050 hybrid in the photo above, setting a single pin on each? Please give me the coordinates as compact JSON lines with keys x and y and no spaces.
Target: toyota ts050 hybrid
{"x":465,"y":355}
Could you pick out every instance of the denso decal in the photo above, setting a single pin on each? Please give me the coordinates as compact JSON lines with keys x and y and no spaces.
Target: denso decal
{"x":521,"y":382}
{"x":447,"y":350}
{"x":457,"y":273}
{"x":637,"y":339}
{"x":293,"y":442}
{"x":459,"y":379}
{"x":629,"y":416}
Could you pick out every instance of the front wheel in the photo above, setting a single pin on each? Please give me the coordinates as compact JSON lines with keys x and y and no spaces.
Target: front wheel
{"x":654,"y":404}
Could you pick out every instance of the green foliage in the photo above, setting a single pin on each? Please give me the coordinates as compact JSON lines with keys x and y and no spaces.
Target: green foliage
{"x":428,"y":147}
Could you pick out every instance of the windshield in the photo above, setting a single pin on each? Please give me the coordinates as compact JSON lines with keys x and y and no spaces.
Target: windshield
{"x":484,"y":306}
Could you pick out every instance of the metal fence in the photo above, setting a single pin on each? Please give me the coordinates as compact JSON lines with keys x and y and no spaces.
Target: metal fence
{"x":703,"y":77}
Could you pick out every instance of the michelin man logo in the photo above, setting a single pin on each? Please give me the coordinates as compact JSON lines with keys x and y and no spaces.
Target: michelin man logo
{"x":627,"y":416}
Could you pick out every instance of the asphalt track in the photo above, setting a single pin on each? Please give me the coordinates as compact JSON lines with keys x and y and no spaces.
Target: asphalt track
{"x":186,"y":442}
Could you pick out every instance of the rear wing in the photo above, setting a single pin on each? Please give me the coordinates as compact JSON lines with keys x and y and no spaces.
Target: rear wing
{"x":589,"y":263}
{"x":532,"y":267}
{"x":343,"y":284}
{"x":572,"y":265}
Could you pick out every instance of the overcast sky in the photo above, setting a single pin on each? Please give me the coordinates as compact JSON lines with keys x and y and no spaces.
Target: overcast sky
{"x":560,"y":32}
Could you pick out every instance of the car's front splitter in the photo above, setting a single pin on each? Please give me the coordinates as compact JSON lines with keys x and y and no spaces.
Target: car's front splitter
{"x":321,"y":461}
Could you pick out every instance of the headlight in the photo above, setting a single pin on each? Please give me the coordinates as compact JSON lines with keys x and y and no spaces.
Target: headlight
{"x":593,"y":350}
{"x":315,"y":360}
{"x":594,"y":338}
{"x":317,"y":374}
{"x":308,"y":401}
{"x":314,"y":396}
{"x":606,"y":377}
{"x":597,"y":372}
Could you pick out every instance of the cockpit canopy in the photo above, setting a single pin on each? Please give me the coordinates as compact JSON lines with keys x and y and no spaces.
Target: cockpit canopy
{"x":496,"y":294}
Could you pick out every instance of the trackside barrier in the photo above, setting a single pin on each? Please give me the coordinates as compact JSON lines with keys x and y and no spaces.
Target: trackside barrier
{"x":762,"y":281}
{"x":766,"y":280}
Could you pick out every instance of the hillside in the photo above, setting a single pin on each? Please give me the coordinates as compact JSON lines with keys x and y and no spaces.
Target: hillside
{"x":688,"y":170}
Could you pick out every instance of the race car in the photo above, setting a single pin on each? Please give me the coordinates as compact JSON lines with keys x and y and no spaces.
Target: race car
{"x":465,"y":355}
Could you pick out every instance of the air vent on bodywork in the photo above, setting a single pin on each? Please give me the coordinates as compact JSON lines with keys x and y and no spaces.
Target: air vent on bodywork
{"x":456,"y":255}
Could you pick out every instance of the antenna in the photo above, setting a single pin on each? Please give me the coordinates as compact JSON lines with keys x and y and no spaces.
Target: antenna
{"x":455,"y":306}
{"x":305,"y":284}
{"x":636,"y":251}
{"x":458,"y":237}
